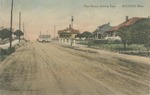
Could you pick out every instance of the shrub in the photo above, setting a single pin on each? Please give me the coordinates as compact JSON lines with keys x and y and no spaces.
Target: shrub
{"x":7,"y":51}
{"x":117,"y":42}
{"x":3,"y":51}
{"x":90,"y":43}
{"x":10,"y":50}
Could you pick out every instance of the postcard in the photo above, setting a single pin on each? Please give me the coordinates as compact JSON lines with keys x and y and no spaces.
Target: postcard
{"x":74,"y":47}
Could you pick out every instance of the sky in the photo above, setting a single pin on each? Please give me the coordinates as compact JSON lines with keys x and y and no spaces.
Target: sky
{"x":42,"y":15}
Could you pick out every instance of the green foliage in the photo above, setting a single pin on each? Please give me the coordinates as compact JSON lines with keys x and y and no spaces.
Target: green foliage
{"x":91,"y":43}
{"x":5,"y":33}
{"x":125,"y":35}
{"x":109,"y":41}
{"x":4,"y":52}
{"x":18,"y":33}
{"x":79,"y":35}
{"x":138,"y":33}
{"x":147,"y":43}
{"x":141,"y":33}
{"x":85,"y":34}
{"x":7,"y":51}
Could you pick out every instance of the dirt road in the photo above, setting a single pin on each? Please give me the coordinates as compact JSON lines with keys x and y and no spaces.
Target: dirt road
{"x":50,"y":69}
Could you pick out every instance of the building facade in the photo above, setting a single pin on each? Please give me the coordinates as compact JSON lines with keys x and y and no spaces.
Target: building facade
{"x":99,"y":33}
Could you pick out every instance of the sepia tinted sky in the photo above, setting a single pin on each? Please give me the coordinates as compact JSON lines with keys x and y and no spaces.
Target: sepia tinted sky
{"x":43,"y":15}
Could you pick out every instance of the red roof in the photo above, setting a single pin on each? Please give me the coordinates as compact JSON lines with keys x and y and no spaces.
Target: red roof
{"x":70,"y":29}
{"x":126,"y":23}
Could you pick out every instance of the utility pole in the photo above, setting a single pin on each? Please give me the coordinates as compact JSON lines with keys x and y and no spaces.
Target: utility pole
{"x":23,"y":30}
{"x":11,"y":20}
{"x":72,"y":19}
{"x":54,"y":30}
{"x":0,"y":12}
{"x":19,"y":20}
{"x":19,"y":24}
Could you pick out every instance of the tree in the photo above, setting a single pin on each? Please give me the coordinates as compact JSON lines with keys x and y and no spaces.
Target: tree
{"x":5,"y":33}
{"x":141,"y":33}
{"x":86,"y":34}
{"x":18,"y":33}
{"x":125,"y":36}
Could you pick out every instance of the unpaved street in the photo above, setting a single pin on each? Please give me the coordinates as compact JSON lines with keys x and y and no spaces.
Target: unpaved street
{"x":51,"y":69}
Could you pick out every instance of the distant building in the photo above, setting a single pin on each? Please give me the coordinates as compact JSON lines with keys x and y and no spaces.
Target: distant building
{"x":44,"y":38}
{"x":68,"y":33}
{"x":99,"y":33}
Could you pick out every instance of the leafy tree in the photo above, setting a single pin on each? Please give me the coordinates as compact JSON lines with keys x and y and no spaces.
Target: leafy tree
{"x":18,"y":33}
{"x":86,"y":34}
{"x":5,"y":33}
{"x":147,"y":43}
{"x":125,"y":36}
{"x":141,"y":33}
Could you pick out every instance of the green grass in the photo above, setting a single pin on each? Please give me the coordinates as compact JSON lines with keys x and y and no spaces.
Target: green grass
{"x":134,"y":49}
{"x":121,"y":47}
{"x":83,"y":42}
{"x":114,"y":46}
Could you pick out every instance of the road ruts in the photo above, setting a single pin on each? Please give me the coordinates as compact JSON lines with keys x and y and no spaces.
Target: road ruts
{"x":52,"y":69}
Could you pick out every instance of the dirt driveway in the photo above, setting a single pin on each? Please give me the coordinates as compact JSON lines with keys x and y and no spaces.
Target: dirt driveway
{"x":51,"y":69}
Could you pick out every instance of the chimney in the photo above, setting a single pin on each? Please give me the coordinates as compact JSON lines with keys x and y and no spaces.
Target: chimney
{"x":127,"y":18}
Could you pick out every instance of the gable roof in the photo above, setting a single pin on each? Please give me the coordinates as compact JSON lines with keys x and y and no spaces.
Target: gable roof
{"x":101,"y":29}
{"x":69,"y":30}
{"x":129,"y":22}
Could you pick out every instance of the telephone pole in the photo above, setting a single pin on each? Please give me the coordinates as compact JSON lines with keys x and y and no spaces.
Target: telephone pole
{"x":72,"y":19}
{"x":19,"y":24}
{"x":54,"y":30}
{"x":0,"y":12}
{"x":23,"y":30}
{"x":19,"y":20}
{"x":11,"y":20}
